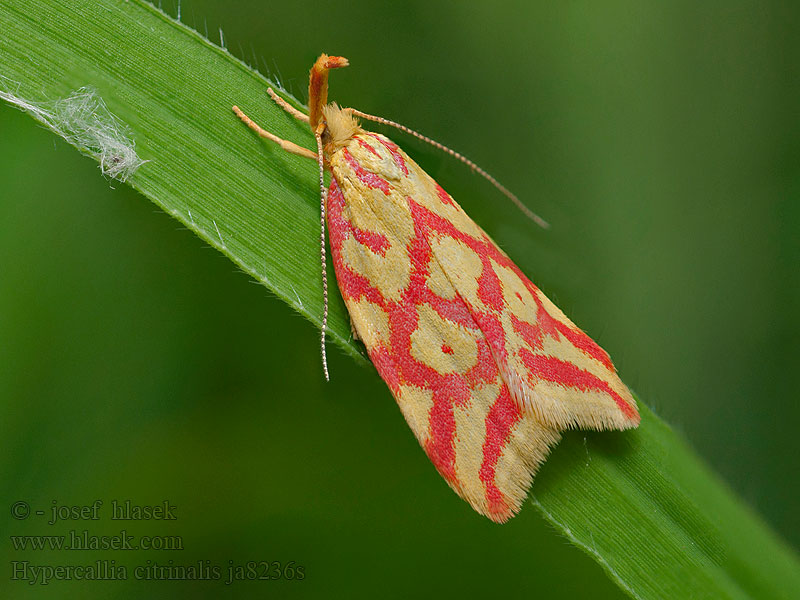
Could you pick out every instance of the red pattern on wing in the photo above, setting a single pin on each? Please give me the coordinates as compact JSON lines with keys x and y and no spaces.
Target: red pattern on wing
{"x":397,"y":366}
{"x":491,"y":295}
{"x":389,"y":189}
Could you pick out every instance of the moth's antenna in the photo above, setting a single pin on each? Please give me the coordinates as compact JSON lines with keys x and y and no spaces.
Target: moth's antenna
{"x":503,"y":190}
{"x":322,"y":199}
{"x":317,"y":99}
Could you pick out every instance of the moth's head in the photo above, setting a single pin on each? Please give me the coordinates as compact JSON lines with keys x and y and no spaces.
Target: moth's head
{"x":340,"y":127}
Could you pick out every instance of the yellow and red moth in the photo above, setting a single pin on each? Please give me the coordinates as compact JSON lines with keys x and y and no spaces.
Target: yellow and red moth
{"x":486,"y":370}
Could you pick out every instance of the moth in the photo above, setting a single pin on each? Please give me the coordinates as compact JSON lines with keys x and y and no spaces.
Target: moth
{"x":485,"y":369}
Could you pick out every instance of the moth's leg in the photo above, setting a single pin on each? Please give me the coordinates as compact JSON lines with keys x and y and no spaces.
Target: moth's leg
{"x":285,"y":144}
{"x":287,"y":107}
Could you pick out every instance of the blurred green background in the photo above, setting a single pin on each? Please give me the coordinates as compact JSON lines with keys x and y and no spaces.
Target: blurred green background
{"x":661,"y":142}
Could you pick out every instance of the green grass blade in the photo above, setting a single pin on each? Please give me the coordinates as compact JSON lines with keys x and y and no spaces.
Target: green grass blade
{"x":249,"y":199}
{"x":639,"y":502}
{"x":659,"y":522}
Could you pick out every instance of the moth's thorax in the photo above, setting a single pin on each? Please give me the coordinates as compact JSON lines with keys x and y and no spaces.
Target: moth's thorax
{"x":376,"y":163}
{"x":340,"y":128}
{"x":376,"y":176}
